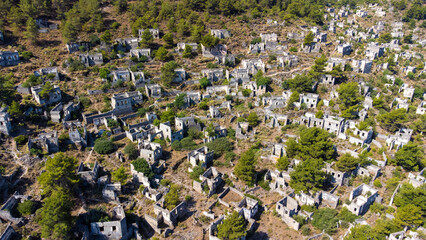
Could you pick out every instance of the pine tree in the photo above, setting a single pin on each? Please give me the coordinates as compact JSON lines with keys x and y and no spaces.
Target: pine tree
{"x":282,"y":163}
{"x":15,"y":110}
{"x":168,"y":39}
{"x":187,"y":52}
{"x":32,"y":32}
{"x":162,"y":54}
{"x":146,"y":38}
{"x":245,"y":168}
{"x":55,"y":215}
{"x":233,"y":227}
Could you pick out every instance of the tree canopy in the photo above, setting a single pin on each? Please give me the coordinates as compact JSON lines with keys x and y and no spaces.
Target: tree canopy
{"x":103,"y":146}
{"x":282,"y":163}
{"x":142,"y":166}
{"x":347,"y":163}
{"x":410,"y":157}
{"x":393,"y":120}
{"x":313,"y":143}
{"x":55,"y":215}
{"x":233,"y":227}
{"x":59,"y":173}
{"x":300,"y":83}
{"x":245,"y":168}
{"x":308,"y":176}
{"x":168,"y":73}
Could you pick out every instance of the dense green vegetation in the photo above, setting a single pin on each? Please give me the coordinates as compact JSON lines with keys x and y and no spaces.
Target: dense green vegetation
{"x":233,"y":227}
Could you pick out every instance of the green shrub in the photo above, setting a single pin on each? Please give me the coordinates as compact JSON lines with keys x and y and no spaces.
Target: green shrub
{"x":26,"y":208}
{"x":142,"y":166}
{"x":104,"y":146}
{"x":220,"y":146}
{"x":21,"y":139}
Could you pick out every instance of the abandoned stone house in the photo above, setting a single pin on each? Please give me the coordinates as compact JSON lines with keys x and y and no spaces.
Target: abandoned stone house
{"x":370,"y":171}
{"x":139,"y":177}
{"x":153,"y":90}
{"x":209,"y":182}
{"x":155,"y":33}
{"x":214,"y":112}
{"x":256,"y":48}
{"x":407,"y":91}
{"x":111,"y":191}
{"x":115,"y":229}
{"x":5,"y":125}
{"x":361,"y":198}
{"x":374,"y":50}
{"x":8,"y":58}
{"x":278,"y":181}
{"x":269,"y":37}
{"x":211,"y":90}
{"x":278,"y":150}
{"x":344,"y":49}
{"x":68,"y":109}
{"x":153,"y":194}
{"x":240,"y":74}
{"x":74,"y":47}
{"x":54,"y":96}
{"x":329,"y":123}
{"x":212,"y":75}
{"x":357,"y":136}
{"x":246,"y":206}
{"x":417,"y":180}
{"x":328,"y":79}
{"x":288,"y":60}
{"x":329,"y":199}
{"x":200,"y":157}
{"x":168,"y":133}
{"x":138,"y":79}
{"x":138,"y":53}
{"x":181,"y":75}
{"x":225,"y":59}
{"x":220,"y":33}
{"x":286,"y":208}
{"x":421,"y":109}
{"x":362,"y":66}
{"x":310,"y":99}
{"x":219,"y":132}
{"x":274,"y":102}
{"x":321,"y":37}
{"x":244,"y":131}
{"x":333,"y":62}
{"x":127,"y":44}
{"x":164,"y":219}
{"x":314,"y":47}
{"x":150,"y":151}
{"x":91,"y":59}
{"x":78,"y":136}
{"x":122,"y":102}
{"x":253,"y":65}
{"x":192,"y":98}
{"x":48,"y":142}
{"x":89,"y":174}
{"x":214,"y":52}
{"x":48,"y":73}
{"x":306,"y":199}
{"x":9,"y":208}
{"x":181,"y":46}
{"x":337,"y":177}
{"x":399,"y":139}
{"x":186,"y":123}
{"x":255,"y":90}
{"x":120,"y":74}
